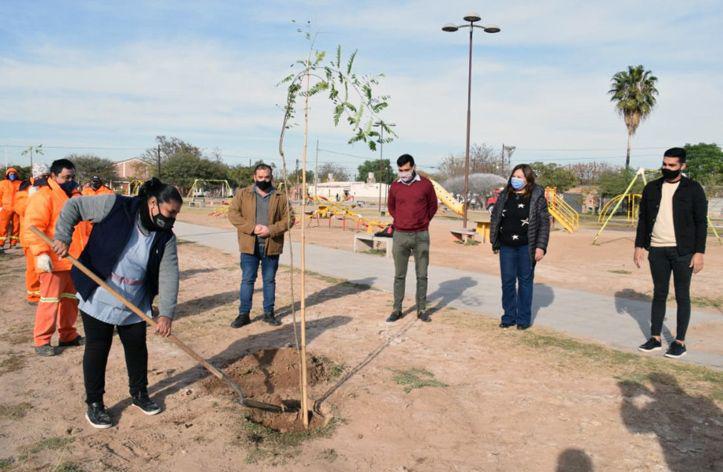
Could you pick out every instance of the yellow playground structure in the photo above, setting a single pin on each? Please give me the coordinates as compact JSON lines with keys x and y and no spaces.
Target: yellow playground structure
{"x":632,"y":207}
{"x":561,"y":211}
{"x":327,"y":209}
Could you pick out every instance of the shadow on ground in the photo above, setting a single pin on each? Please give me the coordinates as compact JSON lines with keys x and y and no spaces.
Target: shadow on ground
{"x":637,"y":305}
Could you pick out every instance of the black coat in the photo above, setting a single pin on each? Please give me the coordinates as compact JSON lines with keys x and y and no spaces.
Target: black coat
{"x":690,"y":210}
{"x":538,"y":231}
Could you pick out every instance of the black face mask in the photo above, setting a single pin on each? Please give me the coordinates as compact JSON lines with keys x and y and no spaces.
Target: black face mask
{"x":95,"y":185}
{"x":69,"y":186}
{"x":157,"y":222}
{"x":39,"y":182}
{"x":670,"y":174}
{"x":263,"y":185}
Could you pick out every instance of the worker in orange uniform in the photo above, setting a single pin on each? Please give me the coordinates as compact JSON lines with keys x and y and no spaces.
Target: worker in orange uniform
{"x":28,"y":188}
{"x":58,"y":306}
{"x":96,"y":187}
{"x":8,"y":188}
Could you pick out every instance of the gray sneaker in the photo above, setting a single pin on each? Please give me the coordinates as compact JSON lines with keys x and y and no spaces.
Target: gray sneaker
{"x":46,"y":350}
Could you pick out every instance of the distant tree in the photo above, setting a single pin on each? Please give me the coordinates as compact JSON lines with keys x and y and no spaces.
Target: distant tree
{"x":554,"y":175}
{"x":482,"y":159}
{"x":614,"y":182}
{"x":295,"y":177}
{"x":338,"y":173}
{"x":182,"y":169}
{"x":382,"y":170}
{"x":240,"y":175}
{"x":169,"y":148}
{"x":705,"y":163}
{"x":588,"y":173}
{"x":633,"y":92}
{"x":88,"y":165}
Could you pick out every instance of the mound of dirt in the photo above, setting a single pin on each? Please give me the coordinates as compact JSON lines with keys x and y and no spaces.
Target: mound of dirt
{"x":273,"y":376}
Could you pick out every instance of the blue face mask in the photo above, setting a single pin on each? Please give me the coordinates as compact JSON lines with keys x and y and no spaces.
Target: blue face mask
{"x":517,"y":183}
{"x":12,"y":177}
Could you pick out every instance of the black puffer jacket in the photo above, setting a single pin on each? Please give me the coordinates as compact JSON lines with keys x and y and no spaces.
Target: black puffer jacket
{"x":538,"y":232}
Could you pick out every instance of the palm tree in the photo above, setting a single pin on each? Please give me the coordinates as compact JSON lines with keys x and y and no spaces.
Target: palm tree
{"x":633,"y":92}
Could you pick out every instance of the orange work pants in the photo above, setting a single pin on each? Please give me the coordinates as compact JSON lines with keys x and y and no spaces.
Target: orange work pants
{"x":32,"y":282}
{"x":58,"y":306}
{"x":7,"y":218}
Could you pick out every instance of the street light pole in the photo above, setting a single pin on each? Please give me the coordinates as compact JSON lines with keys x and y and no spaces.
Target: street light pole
{"x":381,"y":124}
{"x":471,"y":19}
{"x":465,"y":206}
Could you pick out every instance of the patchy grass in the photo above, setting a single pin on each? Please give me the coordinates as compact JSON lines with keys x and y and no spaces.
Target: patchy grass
{"x":375,"y":252}
{"x":620,"y":271}
{"x":416,"y":378}
{"x":6,"y":463}
{"x":470,"y":241}
{"x":708,"y":302}
{"x":702,"y":302}
{"x":268,"y":445}
{"x":14,"y":412}
{"x":52,"y":443}
{"x":68,"y":467}
{"x":12,"y":362}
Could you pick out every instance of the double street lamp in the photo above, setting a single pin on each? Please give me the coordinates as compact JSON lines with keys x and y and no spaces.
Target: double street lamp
{"x":470,"y":21}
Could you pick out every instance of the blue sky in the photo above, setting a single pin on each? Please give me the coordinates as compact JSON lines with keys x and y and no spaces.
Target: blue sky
{"x":107,"y":77}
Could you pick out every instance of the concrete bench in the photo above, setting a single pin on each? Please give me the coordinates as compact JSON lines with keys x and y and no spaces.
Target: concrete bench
{"x":370,"y":241}
{"x":462,"y":234}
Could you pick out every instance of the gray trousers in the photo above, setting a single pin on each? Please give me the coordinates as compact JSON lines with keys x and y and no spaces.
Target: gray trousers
{"x":407,"y":244}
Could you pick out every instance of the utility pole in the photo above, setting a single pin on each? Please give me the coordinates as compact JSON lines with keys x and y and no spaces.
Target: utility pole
{"x":502,"y":160}
{"x":316,"y":170}
{"x":158,"y":160}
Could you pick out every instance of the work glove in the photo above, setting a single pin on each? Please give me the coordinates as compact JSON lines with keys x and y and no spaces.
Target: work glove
{"x":43,"y":264}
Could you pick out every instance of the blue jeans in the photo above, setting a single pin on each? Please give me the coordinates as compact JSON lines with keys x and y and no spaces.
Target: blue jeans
{"x":249,"y":270}
{"x":517,"y":278}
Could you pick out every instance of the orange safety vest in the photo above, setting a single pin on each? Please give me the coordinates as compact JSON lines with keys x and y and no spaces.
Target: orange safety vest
{"x":43,"y":210}
{"x":8,"y":189}
{"x":102,"y":190}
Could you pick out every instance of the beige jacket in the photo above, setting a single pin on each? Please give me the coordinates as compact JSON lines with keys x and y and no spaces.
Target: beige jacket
{"x":242,"y":214}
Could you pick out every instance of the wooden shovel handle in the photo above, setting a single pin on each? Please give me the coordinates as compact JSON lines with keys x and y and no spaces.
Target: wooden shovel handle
{"x":91,"y":275}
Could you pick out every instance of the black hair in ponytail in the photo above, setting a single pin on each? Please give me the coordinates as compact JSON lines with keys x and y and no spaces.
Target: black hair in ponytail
{"x":163,"y":192}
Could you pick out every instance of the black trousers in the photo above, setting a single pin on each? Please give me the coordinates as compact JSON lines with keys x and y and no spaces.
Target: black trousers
{"x":98,"y":339}
{"x":663,"y":262}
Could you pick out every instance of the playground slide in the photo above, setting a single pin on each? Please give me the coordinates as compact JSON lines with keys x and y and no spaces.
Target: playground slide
{"x":447,"y":198}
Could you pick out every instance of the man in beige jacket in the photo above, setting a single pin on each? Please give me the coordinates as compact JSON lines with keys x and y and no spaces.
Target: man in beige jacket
{"x":261,"y":216}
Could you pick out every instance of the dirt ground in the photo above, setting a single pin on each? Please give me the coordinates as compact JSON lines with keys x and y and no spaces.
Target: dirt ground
{"x":572,"y":261}
{"x":454,"y":394}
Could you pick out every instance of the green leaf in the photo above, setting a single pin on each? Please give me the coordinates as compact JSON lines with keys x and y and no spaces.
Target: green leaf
{"x":350,"y":63}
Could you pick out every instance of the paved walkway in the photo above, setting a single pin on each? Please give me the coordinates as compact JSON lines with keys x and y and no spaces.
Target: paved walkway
{"x":614,"y":321}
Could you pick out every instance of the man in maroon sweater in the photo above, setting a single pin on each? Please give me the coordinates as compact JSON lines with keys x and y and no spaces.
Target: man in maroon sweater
{"x":412,"y":203}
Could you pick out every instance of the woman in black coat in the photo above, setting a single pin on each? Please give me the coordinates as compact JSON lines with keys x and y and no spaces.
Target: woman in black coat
{"x":519,"y":231}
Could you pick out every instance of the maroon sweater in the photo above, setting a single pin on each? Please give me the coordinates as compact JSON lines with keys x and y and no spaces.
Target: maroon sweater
{"x":412,"y":206}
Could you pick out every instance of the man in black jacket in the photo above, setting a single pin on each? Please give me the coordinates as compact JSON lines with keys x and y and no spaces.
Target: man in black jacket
{"x":672,"y":226}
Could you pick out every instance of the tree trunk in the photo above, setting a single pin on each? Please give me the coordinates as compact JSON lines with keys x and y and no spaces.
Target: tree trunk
{"x":627,"y":156}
